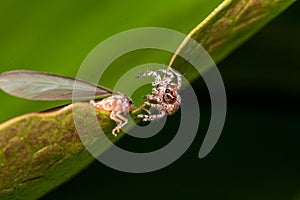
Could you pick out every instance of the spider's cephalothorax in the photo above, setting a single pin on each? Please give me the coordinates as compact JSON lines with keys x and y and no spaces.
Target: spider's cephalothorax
{"x":165,"y":95}
{"x":116,"y":105}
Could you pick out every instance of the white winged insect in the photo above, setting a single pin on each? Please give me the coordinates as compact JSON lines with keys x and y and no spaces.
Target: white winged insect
{"x":35,"y":85}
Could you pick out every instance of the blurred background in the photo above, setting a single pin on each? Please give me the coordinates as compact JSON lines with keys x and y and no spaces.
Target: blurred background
{"x":257,"y":156}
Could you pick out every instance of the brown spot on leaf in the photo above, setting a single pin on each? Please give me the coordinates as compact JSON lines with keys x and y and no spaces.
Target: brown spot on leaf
{"x":236,"y":8}
{"x":16,"y":148}
{"x":44,"y":159}
{"x":16,"y":156}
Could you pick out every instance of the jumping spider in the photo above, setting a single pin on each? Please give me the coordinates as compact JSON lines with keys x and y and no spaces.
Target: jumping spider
{"x":164,"y":94}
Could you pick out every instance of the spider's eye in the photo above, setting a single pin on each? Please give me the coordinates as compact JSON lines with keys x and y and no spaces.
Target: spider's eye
{"x":167,"y":91}
{"x":130,"y":102}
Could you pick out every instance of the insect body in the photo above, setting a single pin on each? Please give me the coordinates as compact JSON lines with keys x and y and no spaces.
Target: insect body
{"x":35,"y":85}
{"x":116,"y":105}
{"x":164,"y":94}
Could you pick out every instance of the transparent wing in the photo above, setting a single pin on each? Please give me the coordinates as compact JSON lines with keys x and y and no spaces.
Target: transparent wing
{"x":43,"y":86}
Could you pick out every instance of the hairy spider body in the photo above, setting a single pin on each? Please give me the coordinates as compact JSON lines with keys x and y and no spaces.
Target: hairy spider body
{"x":118,"y":106}
{"x":165,"y":95}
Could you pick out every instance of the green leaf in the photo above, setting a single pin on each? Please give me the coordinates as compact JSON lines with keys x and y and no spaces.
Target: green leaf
{"x":39,"y":151}
{"x":227,"y":27}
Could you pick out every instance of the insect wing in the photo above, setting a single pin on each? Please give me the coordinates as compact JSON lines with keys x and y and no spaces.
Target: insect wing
{"x":43,"y":86}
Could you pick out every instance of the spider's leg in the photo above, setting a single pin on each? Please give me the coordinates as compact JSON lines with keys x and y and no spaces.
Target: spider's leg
{"x":179,"y":77}
{"x":168,"y":76}
{"x":151,"y":73}
{"x":166,"y":72}
{"x":160,"y":115}
{"x":151,"y":117}
{"x":154,"y":105}
{"x":153,"y":98}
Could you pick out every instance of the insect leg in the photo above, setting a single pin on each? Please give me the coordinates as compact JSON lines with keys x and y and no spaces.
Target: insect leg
{"x":114,"y":116}
{"x":125,"y":120}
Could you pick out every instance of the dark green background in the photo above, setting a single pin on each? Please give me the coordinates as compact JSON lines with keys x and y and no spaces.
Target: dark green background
{"x":257,"y":156}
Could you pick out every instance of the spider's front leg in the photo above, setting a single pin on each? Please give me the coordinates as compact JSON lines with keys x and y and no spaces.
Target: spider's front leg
{"x":168,"y":76}
{"x":179,"y":77}
{"x":151,"y":73}
{"x":151,"y":117}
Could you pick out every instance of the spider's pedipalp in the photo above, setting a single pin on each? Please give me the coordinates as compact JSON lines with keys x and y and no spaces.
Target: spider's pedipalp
{"x":156,"y":98}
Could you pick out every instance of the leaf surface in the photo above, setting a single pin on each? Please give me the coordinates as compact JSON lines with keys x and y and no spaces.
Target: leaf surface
{"x":38,"y":151}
